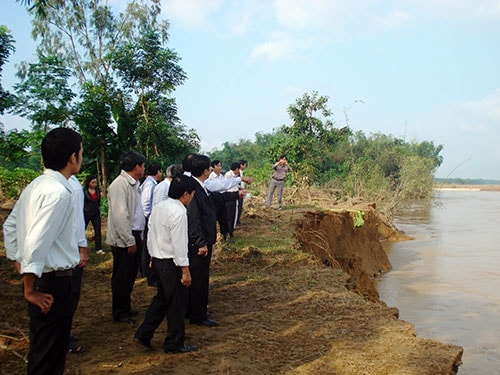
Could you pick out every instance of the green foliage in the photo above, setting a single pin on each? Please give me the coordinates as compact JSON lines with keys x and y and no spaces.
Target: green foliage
{"x":12,"y":182}
{"x":43,"y":95}
{"x":6,"y":48}
{"x":357,"y":218}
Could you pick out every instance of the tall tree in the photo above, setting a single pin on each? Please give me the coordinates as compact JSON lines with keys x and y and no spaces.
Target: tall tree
{"x":6,"y":48}
{"x":44,"y":95}
{"x":87,"y":35}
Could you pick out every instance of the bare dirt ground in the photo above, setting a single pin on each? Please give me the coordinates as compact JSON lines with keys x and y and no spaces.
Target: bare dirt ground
{"x":281,"y":312}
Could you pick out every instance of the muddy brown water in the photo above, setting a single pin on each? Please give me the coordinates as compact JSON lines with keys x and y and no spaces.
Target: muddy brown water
{"x":447,"y":281}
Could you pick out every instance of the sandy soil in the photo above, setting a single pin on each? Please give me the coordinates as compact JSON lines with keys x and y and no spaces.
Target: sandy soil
{"x":287,"y":312}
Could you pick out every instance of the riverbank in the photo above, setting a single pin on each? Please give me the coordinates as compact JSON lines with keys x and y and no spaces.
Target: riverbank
{"x":281,"y":308}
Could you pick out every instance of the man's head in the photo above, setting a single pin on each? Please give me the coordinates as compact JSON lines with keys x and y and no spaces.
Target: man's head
{"x":243,"y":164}
{"x":200,"y":167}
{"x":182,"y":188}
{"x":235,"y":167}
{"x":186,"y":162}
{"x":60,"y":147}
{"x":133,"y":164}
{"x":154,"y":170}
{"x":216,"y":166}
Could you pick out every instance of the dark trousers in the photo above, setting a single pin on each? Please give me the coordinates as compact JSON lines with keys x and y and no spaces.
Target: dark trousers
{"x":96,"y":223}
{"x":146,"y":271}
{"x":49,"y":333}
{"x":125,"y":267}
{"x":240,"y":209}
{"x":199,"y":267}
{"x":170,"y":301}
{"x":232,"y":214}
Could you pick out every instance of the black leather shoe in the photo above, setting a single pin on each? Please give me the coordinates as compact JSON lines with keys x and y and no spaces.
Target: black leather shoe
{"x":133,"y":313}
{"x":124,"y":319}
{"x":207,"y":323}
{"x":182,"y":349}
{"x":145,"y":343}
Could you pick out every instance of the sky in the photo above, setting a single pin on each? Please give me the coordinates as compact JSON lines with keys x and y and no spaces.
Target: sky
{"x":419,"y":70}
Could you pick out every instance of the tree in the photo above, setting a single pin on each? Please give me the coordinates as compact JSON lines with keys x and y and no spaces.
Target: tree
{"x":6,"y":48}
{"x":311,"y":138}
{"x":89,"y":37}
{"x":43,"y":95}
{"x":151,"y":71}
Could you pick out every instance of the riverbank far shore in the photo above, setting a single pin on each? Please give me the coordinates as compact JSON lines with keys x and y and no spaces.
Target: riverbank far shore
{"x":467,"y":187}
{"x":282,"y":309}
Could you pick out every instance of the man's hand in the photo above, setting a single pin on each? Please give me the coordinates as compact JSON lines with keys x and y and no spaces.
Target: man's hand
{"x":186,"y":277}
{"x":43,"y":300}
{"x":84,"y":257}
{"x":247,"y":180}
{"x":203,"y":251}
{"x":242,"y":193}
{"x":132,"y":249}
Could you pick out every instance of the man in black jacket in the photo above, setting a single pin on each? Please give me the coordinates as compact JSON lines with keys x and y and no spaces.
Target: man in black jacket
{"x":202,"y":235}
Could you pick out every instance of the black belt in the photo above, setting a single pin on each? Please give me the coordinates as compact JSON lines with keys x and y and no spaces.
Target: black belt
{"x":277,"y":179}
{"x":63,"y":273}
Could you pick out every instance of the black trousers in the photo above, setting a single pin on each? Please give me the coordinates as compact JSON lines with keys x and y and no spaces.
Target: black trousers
{"x":232,"y":212}
{"x":170,"y":302}
{"x":49,"y":333}
{"x":125,"y":268}
{"x":199,"y":267}
{"x":146,"y":272}
{"x":96,"y":223}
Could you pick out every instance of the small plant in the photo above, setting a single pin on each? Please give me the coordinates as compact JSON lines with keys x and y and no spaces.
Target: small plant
{"x":357,"y":218}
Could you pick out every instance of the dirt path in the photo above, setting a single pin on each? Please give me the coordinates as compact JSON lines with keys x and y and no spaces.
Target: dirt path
{"x":281,"y":312}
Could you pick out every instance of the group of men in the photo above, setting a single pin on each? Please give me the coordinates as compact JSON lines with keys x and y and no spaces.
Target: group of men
{"x":43,"y":238}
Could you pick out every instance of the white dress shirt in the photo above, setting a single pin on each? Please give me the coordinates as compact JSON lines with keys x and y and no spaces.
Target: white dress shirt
{"x":147,"y":189}
{"x":39,"y":233}
{"x":77,"y":194}
{"x":168,"y":232}
{"x":161,"y":192}
{"x":220,"y":184}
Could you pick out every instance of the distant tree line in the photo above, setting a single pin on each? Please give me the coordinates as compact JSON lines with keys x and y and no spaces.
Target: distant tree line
{"x":466,"y":181}
{"x":378,"y":167}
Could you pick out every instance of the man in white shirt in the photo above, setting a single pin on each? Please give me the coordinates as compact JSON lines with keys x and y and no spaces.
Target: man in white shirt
{"x":148,"y":187}
{"x":39,"y":237}
{"x":168,"y":247}
{"x":124,"y":234}
{"x":79,"y":222}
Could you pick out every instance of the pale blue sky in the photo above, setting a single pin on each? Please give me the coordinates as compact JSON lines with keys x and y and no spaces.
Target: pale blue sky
{"x":416,"y":69}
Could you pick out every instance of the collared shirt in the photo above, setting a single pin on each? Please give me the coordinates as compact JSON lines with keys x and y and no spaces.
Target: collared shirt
{"x":123,"y":199}
{"x":168,"y":232}
{"x":139,"y":222}
{"x":280,"y":171}
{"x":78,"y":198}
{"x":202,"y":184}
{"x":220,"y":184}
{"x":161,"y":192}
{"x":148,"y":187}
{"x":39,"y":233}
{"x":230,"y":176}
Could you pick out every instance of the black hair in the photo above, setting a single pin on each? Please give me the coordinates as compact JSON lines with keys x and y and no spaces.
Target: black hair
{"x":242,"y":162}
{"x":235,"y":165}
{"x":130,"y":159}
{"x":58,"y":146}
{"x":89,"y":178}
{"x":186,"y":162}
{"x":199,"y":164}
{"x":215,"y":162}
{"x":283,"y":156}
{"x":153,"y":169}
{"x":180,"y":185}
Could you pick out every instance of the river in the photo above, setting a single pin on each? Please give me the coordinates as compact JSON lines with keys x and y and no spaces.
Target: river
{"x":446,"y":281}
